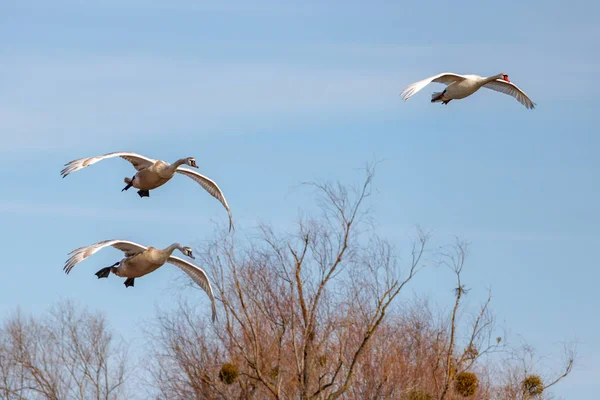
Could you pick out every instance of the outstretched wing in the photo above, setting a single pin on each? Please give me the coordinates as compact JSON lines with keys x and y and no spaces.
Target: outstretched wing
{"x":198,"y":276}
{"x":210,"y":186}
{"x":446,"y":78}
{"x":138,"y":161}
{"x":80,"y":254}
{"x":509,"y":88}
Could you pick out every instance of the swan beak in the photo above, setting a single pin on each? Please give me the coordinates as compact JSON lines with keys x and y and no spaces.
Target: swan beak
{"x":506,"y":78}
{"x":194,"y":164}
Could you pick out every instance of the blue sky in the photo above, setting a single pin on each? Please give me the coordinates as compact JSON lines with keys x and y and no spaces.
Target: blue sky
{"x":269,"y":94}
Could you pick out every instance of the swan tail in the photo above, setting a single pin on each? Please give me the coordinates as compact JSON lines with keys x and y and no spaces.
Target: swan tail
{"x":129,"y":182}
{"x":437,"y":96}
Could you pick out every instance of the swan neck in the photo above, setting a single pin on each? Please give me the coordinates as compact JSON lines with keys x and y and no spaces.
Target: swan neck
{"x":173,"y":167}
{"x":491,"y":79}
{"x":169,"y":250}
{"x":179,"y":162}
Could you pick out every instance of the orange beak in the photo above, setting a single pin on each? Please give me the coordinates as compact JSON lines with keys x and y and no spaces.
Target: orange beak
{"x":506,"y":78}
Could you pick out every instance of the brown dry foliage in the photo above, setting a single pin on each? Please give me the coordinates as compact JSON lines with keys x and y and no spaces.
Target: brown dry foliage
{"x":311,"y":314}
{"x":466,"y":384}
{"x":229,"y":373}
{"x":532,"y":385}
{"x":317,"y":306}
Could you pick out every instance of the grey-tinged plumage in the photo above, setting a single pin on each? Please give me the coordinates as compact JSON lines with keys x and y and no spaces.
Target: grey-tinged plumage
{"x":152,"y":174}
{"x":141,"y":260}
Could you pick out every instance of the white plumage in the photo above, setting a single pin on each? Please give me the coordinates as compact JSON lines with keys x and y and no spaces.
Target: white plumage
{"x":461,"y":86}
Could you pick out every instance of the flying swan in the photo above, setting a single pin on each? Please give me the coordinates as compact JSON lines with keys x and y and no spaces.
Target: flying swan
{"x":141,"y":260}
{"x":152,"y":174}
{"x":461,"y":86}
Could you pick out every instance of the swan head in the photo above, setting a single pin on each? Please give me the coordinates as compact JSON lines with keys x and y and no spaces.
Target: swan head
{"x":187,"y":251}
{"x":191,"y":161}
{"x":504,"y":76}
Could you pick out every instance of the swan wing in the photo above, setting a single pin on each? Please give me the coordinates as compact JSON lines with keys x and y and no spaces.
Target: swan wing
{"x":446,"y":78}
{"x":199,"y":276}
{"x":509,"y":88}
{"x":210,"y":186}
{"x":80,"y":254}
{"x":138,"y":161}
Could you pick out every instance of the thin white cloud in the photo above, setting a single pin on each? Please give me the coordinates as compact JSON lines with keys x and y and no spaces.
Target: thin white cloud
{"x":53,"y":102}
{"x":516,"y":236}
{"x":259,"y":6}
{"x":49,"y":102}
{"x":73,"y":211}
{"x":191,"y":86}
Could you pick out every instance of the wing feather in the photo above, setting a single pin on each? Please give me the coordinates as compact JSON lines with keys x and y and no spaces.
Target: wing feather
{"x":509,"y":88}
{"x":199,"y":276}
{"x":445,"y":78}
{"x":80,"y":254}
{"x":138,"y":161}
{"x":211,"y":187}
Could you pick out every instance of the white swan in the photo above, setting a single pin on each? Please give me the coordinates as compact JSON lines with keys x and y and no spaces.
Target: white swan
{"x":461,"y":86}
{"x":152,"y":174}
{"x":141,"y":260}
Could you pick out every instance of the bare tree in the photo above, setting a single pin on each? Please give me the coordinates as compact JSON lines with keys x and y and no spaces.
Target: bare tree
{"x":527,"y":376}
{"x":311,"y":314}
{"x":299,"y":311}
{"x":69,"y":354}
{"x":479,"y":340}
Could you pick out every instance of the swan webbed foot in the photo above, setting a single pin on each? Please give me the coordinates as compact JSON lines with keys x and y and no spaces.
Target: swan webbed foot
{"x":144,"y":193}
{"x":129,"y":282}
{"x":103,"y":273}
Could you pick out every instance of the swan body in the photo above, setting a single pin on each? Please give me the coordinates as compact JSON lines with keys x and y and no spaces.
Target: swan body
{"x":152,"y":174}
{"x":461,"y":86}
{"x":141,"y":260}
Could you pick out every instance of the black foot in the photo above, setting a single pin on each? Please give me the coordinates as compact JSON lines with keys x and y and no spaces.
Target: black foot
{"x":103,"y":273}
{"x":129,"y":282}
{"x":144,"y":193}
